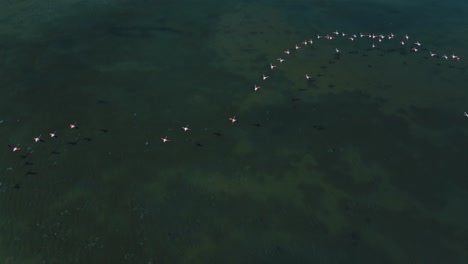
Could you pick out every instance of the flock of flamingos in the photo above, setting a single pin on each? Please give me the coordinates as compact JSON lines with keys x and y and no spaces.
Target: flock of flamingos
{"x":405,"y":41}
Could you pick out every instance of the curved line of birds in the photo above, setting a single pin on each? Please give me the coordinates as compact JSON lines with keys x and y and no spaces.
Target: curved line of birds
{"x":377,"y":38}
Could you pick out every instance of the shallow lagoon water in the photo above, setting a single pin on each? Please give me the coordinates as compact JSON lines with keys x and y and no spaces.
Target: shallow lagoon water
{"x":365,"y":163}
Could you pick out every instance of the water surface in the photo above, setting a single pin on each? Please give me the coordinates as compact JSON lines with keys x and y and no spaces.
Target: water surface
{"x":364,"y":164}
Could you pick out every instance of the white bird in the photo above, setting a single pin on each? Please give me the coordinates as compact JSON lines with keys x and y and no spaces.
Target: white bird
{"x":73,"y":126}
{"x":233,"y":119}
{"x":14,"y":148}
{"x":38,"y":139}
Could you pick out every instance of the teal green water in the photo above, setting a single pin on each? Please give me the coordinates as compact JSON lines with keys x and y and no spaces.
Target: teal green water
{"x":365,"y":164}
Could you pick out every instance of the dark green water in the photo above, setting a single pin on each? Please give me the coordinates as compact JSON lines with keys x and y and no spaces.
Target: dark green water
{"x":365,"y":164}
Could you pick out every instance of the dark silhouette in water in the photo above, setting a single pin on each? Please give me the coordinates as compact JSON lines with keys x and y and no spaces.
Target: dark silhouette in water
{"x":257,"y":125}
{"x":319,"y":128}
